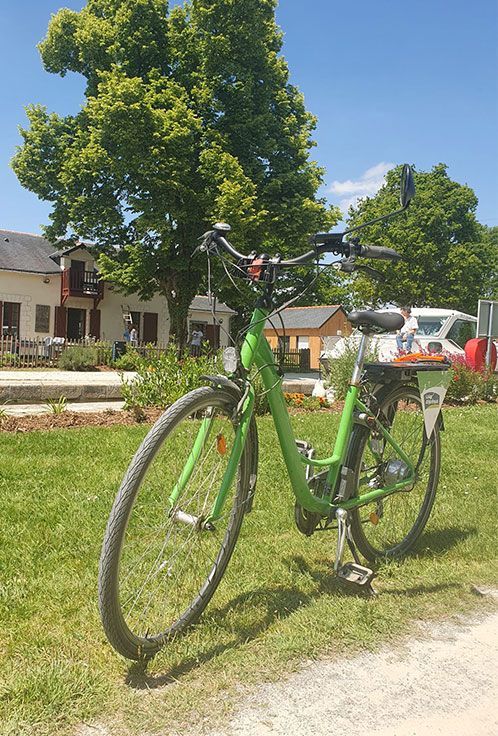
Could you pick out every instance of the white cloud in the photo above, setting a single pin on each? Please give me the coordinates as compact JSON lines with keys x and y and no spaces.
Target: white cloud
{"x":349,"y":191}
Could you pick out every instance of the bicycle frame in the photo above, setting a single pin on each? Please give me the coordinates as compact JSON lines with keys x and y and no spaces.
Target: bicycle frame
{"x":256,"y":351}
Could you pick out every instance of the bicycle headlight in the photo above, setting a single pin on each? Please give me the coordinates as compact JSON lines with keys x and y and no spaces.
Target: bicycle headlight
{"x":230,"y":360}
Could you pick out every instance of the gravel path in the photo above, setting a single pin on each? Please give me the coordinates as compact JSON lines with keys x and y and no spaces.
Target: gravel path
{"x":444,"y":681}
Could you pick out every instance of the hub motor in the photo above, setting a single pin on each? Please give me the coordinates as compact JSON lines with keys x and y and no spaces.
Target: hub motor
{"x":396,"y":471}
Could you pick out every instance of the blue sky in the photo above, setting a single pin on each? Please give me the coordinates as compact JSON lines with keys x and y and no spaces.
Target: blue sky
{"x":389,"y":82}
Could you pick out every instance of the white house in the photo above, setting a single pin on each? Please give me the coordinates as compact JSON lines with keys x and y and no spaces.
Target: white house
{"x":49,"y":292}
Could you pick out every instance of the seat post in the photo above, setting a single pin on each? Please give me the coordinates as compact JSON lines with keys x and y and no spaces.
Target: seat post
{"x":360,"y":359}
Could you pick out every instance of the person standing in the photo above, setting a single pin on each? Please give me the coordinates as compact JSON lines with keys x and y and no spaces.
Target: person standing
{"x":196,"y":342}
{"x":407,"y":332}
{"x":133,"y":336}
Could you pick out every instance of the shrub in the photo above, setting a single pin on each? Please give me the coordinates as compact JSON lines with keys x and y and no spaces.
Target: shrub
{"x":57,"y":406}
{"x":340,"y":369}
{"x":104,"y":352}
{"x":129,"y":361}
{"x":315,"y":403}
{"x":78,"y":358}
{"x":163,"y":379}
{"x":9,"y":360}
{"x":469,"y":385}
{"x":309,"y":403}
{"x":294,"y":399}
{"x":489,"y":386}
{"x":261,"y":404}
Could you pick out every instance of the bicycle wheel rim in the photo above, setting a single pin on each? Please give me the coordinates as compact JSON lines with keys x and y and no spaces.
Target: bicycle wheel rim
{"x":169,"y":567}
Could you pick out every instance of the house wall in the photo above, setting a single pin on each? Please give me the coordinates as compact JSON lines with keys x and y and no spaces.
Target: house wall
{"x":79,"y":255}
{"x":111,"y":319}
{"x":207,"y":318}
{"x":29,"y":290}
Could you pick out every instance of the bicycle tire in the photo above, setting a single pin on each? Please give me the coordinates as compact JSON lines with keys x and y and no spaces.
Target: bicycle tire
{"x":128,"y":526}
{"x":399,"y":519}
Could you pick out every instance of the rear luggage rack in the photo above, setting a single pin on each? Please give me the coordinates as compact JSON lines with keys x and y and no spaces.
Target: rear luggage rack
{"x":402,"y":371}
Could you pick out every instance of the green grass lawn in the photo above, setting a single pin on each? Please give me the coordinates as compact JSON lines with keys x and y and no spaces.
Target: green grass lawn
{"x":278,"y":605}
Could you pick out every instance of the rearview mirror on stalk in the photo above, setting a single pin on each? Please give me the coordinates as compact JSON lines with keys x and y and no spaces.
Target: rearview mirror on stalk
{"x":407,"y":188}
{"x":407,"y":192}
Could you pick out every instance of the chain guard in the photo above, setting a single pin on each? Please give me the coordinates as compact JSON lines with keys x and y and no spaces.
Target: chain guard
{"x":308,"y":521}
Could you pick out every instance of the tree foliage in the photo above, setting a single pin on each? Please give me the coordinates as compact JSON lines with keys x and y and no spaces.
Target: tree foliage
{"x":448,"y":260}
{"x":490,"y":240}
{"x":189,"y":118}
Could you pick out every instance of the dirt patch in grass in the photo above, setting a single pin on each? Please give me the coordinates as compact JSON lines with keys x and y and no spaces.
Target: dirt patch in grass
{"x":70,"y":419}
{"x":110,"y":417}
{"x":107,"y":418}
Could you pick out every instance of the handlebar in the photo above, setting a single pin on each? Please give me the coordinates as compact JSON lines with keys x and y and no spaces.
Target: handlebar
{"x":303,"y":258}
{"x":324,"y":243}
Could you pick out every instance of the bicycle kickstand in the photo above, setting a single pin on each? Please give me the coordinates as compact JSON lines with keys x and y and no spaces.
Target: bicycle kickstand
{"x":352,"y":573}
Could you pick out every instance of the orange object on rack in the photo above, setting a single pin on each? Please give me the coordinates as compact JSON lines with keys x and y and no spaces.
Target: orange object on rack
{"x":415,"y":357}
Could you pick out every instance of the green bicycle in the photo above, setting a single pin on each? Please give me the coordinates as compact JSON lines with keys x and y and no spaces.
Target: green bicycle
{"x":179,"y":510}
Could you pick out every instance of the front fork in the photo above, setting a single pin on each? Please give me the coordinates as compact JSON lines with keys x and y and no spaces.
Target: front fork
{"x":243,"y":422}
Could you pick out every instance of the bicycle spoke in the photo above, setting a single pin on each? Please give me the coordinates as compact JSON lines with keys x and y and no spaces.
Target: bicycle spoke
{"x":399,"y":513}
{"x":166,"y":559}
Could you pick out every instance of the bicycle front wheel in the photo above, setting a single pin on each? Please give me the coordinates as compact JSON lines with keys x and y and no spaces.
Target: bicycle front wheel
{"x":160,"y":561}
{"x":390,"y":526}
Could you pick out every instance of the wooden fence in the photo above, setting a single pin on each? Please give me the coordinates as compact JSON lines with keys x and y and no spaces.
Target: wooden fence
{"x":293,"y":360}
{"x":36,"y":352}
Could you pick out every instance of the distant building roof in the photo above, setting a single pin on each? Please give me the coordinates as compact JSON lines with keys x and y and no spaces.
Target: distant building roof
{"x":203,"y":304}
{"x":35,"y":254}
{"x":295,"y":318}
{"x":25,"y":252}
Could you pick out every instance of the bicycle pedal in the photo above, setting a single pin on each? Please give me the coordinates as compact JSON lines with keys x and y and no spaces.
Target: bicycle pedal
{"x":356,"y":574}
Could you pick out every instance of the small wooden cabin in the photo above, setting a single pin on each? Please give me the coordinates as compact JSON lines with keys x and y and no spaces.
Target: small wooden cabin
{"x":305,"y":328}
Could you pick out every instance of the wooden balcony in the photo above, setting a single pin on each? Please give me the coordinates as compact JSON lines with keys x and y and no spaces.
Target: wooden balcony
{"x":82,"y":284}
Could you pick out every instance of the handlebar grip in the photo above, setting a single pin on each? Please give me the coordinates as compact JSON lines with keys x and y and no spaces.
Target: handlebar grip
{"x":375,"y":251}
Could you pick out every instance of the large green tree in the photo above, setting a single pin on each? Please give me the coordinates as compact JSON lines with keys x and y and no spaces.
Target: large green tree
{"x":448,"y":259}
{"x":490,"y":240}
{"x":189,"y":118}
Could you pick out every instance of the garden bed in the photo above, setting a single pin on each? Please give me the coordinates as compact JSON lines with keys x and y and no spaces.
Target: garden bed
{"x":73,"y":419}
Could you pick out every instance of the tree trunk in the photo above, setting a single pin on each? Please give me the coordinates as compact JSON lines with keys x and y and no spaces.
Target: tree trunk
{"x":179,"y":290}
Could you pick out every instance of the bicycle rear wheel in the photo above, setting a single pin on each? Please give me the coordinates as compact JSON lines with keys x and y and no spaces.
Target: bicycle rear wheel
{"x":389,"y":527}
{"x":160,"y":564}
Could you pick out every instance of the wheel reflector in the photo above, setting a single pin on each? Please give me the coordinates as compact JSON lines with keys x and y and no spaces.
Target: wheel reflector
{"x":221,"y":444}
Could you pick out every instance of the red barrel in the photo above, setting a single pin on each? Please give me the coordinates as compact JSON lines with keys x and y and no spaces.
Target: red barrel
{"x":475,"y":352}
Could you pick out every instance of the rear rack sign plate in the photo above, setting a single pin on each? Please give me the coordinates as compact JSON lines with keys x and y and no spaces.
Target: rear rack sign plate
{"x":433,"y":386}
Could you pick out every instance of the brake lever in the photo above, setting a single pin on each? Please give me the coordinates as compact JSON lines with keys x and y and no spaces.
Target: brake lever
{"x":346,"y":265}
{"x":372,"y":272}
{"x":349,"y":265}
{"x":205,"y":246}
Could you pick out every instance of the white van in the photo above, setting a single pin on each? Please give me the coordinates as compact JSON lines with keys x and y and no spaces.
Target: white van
{"x":438,"y":330}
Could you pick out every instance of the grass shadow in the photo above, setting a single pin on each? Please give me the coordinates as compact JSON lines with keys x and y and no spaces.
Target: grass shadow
{"x":439,"y":541}
{"x":276,"y":604}
{"x":420,"y":589}
{"x":281,"y":602}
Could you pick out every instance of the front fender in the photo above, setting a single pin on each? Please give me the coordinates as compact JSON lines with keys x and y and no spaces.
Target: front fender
{"x":224,"y":382}
{"x":219,"y":381}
